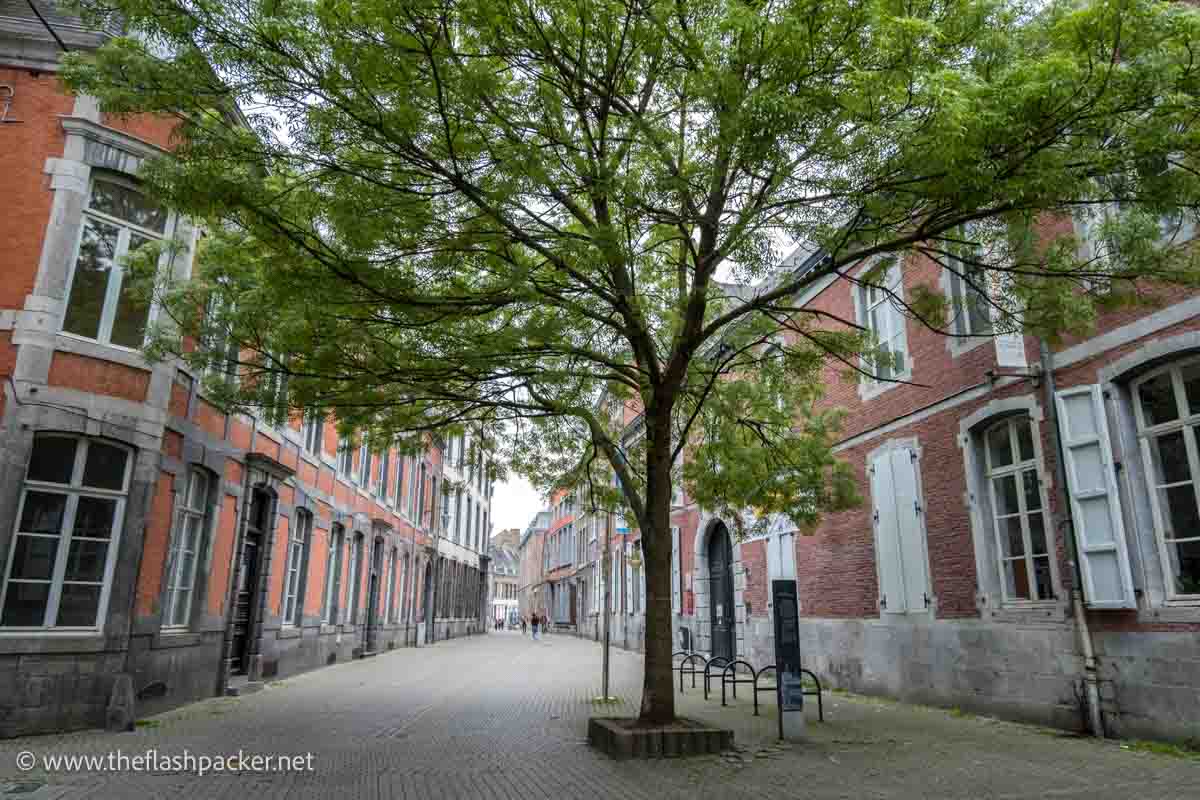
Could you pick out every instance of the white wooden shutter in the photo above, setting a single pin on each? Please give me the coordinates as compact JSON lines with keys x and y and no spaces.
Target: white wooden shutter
{"x":887,"y":535}
{"x":676,"y":595}
{"x":1095,"y":504}
{"x":914,"y":570}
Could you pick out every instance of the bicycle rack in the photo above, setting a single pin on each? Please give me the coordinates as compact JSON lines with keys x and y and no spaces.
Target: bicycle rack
{"x":707,"y":676}
{"x":688,"y":667}
{"x":757,"y":688}
{"x":729,"y":677}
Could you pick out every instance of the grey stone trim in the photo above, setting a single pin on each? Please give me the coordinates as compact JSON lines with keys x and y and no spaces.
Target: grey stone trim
{"x":1147,"y":325}
{"x":968,"y":395}
{"x":1145,"y":553}
{"x":988,"y":596}
{"x":958,"y":345}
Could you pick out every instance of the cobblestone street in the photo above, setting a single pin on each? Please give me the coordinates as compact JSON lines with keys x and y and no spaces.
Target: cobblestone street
{"x":500,"y":716}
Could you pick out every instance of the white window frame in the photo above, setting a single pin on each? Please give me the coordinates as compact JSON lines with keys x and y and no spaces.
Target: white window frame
{"x":195,"y":509}
{"x":865,"y":302}
{"x":1018,"y":468}
{"x":1187,"y":423}
{"x":73,"y":491}
{"x":364,"y":464}
{"x":295,"y":574}
{"x":116,"y":279}
{"x":314,"y":433}
{"x":330,"y":607}
{"x":345,"y":459}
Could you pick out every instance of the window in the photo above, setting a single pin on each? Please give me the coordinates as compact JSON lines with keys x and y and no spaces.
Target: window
{"x":355,"y":577}
{"x":445,"y":498}
{"x":396,"y":491}
{"x":221,"y":348}
{"x":899,"y":538}
{"x":970,"y":309}
{"x":385,"y":467}
{"x":333,"y":575}
{"x":68,"y":522}
{"x":882,"y":315}
{"x":421,"y":497}
{"x":100,"y":303}
{"x":458,"y":513}
{"x":314,"y":431}
{"x":1018,"y":519}
{"x":296,"y":574}
{"x":364,"y":463}
{"x":410,"y":500}
{"x":1168,"y":414}
{"x":190,"y":526}
{"x":390,"y":604}
{"x":345,"y":458}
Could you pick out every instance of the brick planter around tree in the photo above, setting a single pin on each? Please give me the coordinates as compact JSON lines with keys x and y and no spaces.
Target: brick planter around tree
{"x":622,"y":738}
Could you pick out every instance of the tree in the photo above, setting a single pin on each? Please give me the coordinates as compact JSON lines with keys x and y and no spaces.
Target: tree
{"x":520,"y":215}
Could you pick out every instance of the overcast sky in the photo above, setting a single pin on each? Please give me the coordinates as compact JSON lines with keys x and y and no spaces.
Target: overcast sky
{"x":514,"y":504}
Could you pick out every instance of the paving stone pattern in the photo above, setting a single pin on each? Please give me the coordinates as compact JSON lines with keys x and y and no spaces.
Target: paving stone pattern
{"x":501,"y":716}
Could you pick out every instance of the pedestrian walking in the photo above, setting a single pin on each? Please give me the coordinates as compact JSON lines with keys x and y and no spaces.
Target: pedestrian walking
{"x":524,"y":625}
{"x":535,"y":627}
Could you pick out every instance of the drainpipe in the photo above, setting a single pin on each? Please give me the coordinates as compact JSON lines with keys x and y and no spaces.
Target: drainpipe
{"x":1091,"y":674}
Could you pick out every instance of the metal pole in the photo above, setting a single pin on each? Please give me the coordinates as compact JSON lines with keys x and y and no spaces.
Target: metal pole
{"x":607,"y":572}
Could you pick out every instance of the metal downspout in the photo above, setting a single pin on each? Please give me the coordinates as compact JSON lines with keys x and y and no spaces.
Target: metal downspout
{"x":1091,"y":674}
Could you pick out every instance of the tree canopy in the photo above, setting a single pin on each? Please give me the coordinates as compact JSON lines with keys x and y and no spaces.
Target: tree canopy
{"x":430,"y":214}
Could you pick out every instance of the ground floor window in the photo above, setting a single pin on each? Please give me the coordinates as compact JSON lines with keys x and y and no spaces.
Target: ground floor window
{"x":69,"y":518}
{"x":1018,"y":518}
{"x":190,"y":525}
{"x":1167,"y":404}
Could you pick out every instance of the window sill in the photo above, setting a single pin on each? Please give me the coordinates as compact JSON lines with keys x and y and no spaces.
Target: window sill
{"x":961,"y":345}
{"x":176,"y":637}
{"x":82,"y":346}
{"x":49,"y":641}
{"x":870,"y":390}
{"x":1172,"y":611}
{"x":289,"y":632}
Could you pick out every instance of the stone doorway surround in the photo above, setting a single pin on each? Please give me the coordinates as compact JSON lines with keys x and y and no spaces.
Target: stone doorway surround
{"x":702,"y":616}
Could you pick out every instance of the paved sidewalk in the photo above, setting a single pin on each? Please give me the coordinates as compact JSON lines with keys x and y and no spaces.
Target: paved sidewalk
{"x":500,"y":716}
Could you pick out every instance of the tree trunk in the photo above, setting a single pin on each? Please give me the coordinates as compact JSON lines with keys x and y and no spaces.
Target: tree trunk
{"x":658,"y":686}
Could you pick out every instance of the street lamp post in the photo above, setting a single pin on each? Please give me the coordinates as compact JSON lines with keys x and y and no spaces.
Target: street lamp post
{"x":606,"y":576}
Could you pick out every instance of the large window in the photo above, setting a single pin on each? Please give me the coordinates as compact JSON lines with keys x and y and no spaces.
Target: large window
{"x":883,"y":316}
{"x":191,"y":522}
{"x":333,"y":575}
{"x":1018,"y":518}
{"x":1168,"y":413}
{"x":314,"y":431}
{"x":385,"y":468}
{"x":364,"y":463}
{"x":68,"y":522}
{"x":345,"y":458}
{"x":356,"y":554}
{"x":101,"y":303}
{"x":295,"y":576}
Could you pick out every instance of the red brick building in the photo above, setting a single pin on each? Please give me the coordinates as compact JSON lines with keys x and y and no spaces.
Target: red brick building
{"x":155,"y":549}
{"x":952,"y":584}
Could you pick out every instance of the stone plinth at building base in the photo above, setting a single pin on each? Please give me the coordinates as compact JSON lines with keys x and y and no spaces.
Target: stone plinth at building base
{"x":622,"y":738}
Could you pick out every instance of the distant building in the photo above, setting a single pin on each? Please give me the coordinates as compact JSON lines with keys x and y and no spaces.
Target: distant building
{"x":504,"y":576}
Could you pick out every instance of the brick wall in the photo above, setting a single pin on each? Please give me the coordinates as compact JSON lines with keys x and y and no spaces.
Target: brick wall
{"x":98,"y":377}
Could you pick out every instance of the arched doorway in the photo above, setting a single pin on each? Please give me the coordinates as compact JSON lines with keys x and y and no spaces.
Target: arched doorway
{"x":720,"y":602}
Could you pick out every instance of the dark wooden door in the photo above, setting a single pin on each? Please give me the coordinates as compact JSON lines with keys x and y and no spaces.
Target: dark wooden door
{"x":574,"y":600}
{"x":373,"y":594}
{"x":720,"y":601}
{"x":243,"y":603}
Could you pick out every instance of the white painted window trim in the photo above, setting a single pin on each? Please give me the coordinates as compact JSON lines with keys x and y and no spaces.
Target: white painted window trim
{"x":116,"y":280}
{"x":73,"y":491}
{"x":173,"y":579}
{"x":987,"y":559}
{"x":1189,"y":424}
{"x":300,"y":533}
{"x":868,"y":387}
